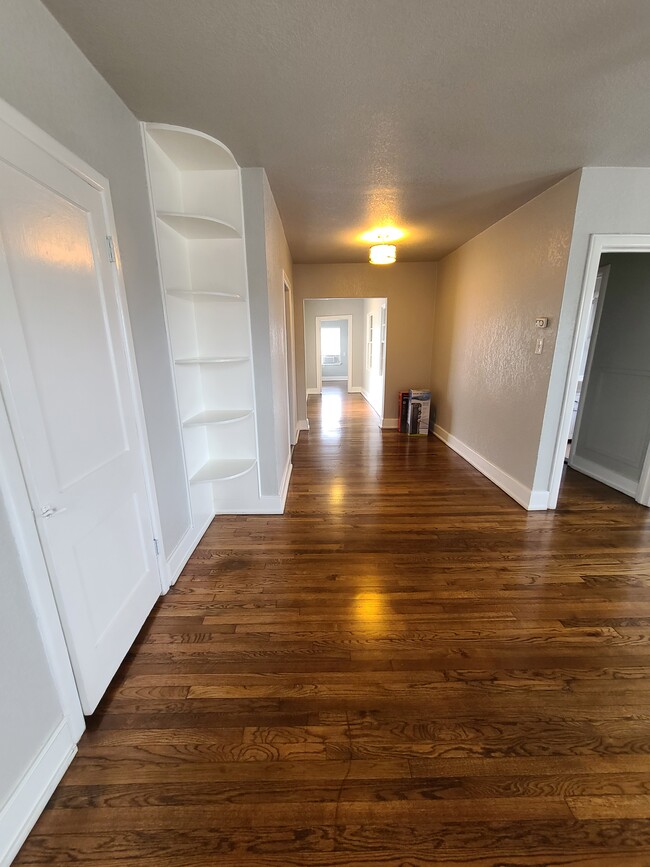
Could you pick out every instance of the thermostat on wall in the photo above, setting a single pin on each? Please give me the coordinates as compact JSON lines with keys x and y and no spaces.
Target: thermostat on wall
{"x":541,"y":322}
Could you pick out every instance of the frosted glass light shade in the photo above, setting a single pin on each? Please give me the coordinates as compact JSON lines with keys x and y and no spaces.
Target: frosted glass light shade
{"x":382,"y":254}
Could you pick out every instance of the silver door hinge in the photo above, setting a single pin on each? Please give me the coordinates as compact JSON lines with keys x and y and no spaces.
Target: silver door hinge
{"x":157,"y":547}
{"x":111,"y":248}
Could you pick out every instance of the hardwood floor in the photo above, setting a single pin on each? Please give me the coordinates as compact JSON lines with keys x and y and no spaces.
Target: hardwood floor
{"x":404,"y":669}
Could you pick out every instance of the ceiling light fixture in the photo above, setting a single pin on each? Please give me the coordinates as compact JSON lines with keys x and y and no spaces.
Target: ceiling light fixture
{"x":382,"y":254}
{"x":383,"y":250}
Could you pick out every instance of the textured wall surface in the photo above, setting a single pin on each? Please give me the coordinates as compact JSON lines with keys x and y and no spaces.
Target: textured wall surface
{"x":489,"y":386}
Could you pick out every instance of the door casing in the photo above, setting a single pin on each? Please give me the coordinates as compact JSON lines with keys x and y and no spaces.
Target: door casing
{"x":598,"y":245}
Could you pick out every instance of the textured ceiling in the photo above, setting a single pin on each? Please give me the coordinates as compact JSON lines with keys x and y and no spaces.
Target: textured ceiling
{"x":439,"y":116}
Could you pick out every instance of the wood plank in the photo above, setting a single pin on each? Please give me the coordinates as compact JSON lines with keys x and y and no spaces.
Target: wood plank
{"x":404,"y":668}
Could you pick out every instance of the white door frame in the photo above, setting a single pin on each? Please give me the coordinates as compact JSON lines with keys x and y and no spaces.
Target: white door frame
{"x":12,"y":480}
{"x":598,"y":244}
{"x":319,"y":371}
{"x":291,"y":359}
{"x":590,"y":353}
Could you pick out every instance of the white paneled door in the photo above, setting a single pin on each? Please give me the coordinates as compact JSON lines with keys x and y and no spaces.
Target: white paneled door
{"x":73,"y":405}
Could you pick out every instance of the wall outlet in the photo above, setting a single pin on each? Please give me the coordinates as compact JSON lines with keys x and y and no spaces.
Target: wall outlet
{"x":541,"y":322}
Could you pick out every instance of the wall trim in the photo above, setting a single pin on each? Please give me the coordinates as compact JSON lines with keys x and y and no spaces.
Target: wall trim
{"x":355,"y":389}
{"x":389,"y":423}
{"x":334,"y":378}
{"x":604,"y":475}
{"x":28,"y":800}
{"x":185,"y":548}
{"x":312,"y":391}
{"x":302,"y":424}
{"x":526,"y":497}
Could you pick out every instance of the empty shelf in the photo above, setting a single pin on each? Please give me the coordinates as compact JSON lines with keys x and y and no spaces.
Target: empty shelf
{"x":221,"y":470}
{"x":191,"y":150}
{"x":206,"y":360}
{"x":195,"y":227}
{"x":204,"y":295}
{"x":217,"y":416}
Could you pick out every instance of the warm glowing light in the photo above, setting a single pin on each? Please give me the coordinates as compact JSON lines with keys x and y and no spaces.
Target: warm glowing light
{"x":383,"y":254}
{"x":383,"y":235}
{"x":336,"y":494}
{"x":370,"y":608}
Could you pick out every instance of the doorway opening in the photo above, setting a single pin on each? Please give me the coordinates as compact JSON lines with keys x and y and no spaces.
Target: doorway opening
{"x":609,"y":430}
{"x":345,"y":349}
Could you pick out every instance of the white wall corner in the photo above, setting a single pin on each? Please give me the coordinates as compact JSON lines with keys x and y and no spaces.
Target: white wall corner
{"x":184,"y":550}
{"x":301,"y":424}
{"x":526,"y":497}
{"x":389,"y":423}
{"x":27,"y":802}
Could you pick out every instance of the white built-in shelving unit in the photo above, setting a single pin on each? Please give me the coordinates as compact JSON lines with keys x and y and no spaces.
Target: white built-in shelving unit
{"x":197,"y":200}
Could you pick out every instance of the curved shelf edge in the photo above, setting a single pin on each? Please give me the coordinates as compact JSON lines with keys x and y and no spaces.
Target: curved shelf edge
{"x":206,"y":360}
{"x":222,"y":470}
{"x":191,"y":149}
{"x":207,"y":295}
{"x":217,"y":416}
{"x":198,"y":227}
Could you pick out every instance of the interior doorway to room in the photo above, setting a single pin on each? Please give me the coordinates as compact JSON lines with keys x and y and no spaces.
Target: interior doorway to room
{"x":333,"y":350}
{"x":609,"y":432}
{"x":345,"y":348}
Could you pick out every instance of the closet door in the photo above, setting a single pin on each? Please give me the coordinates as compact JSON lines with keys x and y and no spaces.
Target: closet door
{"x":72,"y":403}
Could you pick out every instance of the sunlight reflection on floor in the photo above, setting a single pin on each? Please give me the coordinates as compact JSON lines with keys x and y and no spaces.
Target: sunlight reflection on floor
{"x":331,"y":412}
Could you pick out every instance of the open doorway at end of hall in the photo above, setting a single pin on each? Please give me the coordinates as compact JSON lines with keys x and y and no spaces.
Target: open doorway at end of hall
{"x":609,"y":436}
{"x":345,"y":347}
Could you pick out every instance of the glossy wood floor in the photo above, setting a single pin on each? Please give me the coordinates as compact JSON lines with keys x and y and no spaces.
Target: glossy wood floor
{"x":404,"y":669}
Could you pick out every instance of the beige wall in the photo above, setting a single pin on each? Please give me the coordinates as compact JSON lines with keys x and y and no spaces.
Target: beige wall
{"x":489,"y":387}
{"x":410,"y":290}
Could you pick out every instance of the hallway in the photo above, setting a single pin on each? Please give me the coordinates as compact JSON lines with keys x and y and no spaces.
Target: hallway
{"x":405,"y":668}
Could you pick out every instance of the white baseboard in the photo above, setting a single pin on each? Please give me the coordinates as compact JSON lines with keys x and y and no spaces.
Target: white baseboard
{"x":602,"y":474}
{"x":389,"y":423}
{"x":184,"y":550}
{"x":313,"y":391}
{"x":302,"y":424}
{"x":26,"y":803}
{"x":355,"y":389}
{"x":334,"y":379}
{"x":526,"y":497}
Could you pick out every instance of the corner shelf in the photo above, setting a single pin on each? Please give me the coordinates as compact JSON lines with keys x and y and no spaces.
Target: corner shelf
{"x":195,"y":227}
{"x":216,"y":360}
{"x":191,"y":150}
{"x":217,"y":416}
{"x":197,"y":209}
{"x":222,"y":470}
{"x":204,"y":295}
